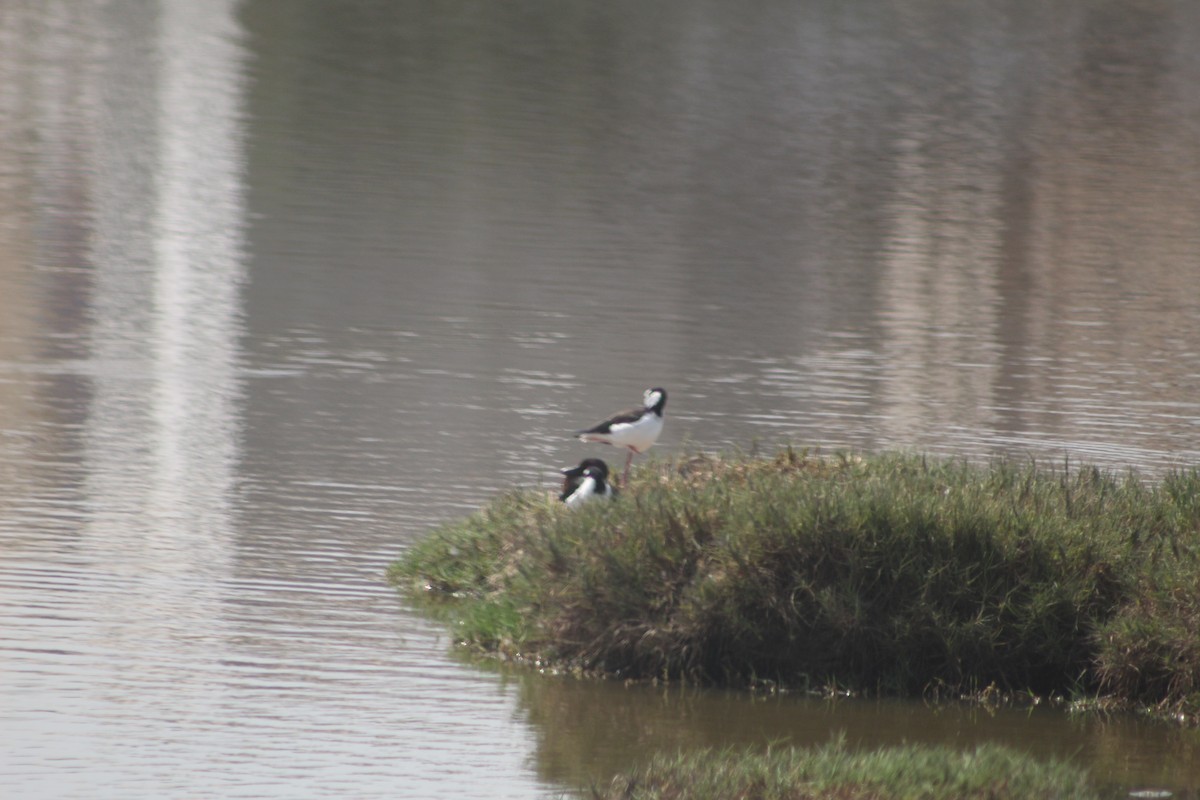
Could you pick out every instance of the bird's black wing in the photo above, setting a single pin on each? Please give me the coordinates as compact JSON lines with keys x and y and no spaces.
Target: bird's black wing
{"x":570,"y":484}
{"x":627,"y":417}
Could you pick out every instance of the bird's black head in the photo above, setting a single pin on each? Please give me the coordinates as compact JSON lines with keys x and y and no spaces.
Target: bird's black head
{"x":592,"y":463}
{"x":655,"y":399}
{"x":597,"y":474}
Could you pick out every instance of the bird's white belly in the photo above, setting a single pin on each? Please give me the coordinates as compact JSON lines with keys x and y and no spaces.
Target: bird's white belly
{"x":638,"y":435}
{"x":585,"y":492}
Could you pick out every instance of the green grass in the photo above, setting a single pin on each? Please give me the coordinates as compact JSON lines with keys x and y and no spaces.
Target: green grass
{"x":832,"y":772}
{"x":890,"y":574}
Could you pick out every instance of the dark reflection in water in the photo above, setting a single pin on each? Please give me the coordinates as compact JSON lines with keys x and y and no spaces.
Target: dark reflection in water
{"x":283,"y":284}
{"x":628,"y":723}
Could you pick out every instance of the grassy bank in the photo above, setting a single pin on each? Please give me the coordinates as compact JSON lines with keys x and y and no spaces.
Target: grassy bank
{"x":834,"y":773}
{"x":892,"y":574}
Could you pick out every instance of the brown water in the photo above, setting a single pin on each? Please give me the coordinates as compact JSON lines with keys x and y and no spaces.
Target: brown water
{"x":283,"y":284}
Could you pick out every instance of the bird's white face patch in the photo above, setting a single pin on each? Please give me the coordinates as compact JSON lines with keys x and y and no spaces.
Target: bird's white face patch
{"x":651,"y":398}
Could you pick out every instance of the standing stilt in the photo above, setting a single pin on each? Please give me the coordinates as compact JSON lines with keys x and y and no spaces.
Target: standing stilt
{"x":636,"y":429}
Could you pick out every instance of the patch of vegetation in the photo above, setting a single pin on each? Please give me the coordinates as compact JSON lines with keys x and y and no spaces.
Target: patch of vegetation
{"x":892,"y":574}
{"x":834,"y":773}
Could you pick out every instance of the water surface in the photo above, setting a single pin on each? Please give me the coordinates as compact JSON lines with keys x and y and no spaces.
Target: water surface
{"x":283,"y":285}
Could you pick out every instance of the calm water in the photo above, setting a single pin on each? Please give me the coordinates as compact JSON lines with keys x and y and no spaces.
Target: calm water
{"x":284,"y":284}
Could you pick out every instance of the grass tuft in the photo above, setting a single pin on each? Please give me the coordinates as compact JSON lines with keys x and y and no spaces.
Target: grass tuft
{"x":885,"y":574}
{"x":833,"y":772}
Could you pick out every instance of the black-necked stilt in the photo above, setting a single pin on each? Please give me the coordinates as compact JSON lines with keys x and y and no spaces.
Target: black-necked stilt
{"x":586,"y":482}
{"x":573,"y":476}
{"x":636,"y":429}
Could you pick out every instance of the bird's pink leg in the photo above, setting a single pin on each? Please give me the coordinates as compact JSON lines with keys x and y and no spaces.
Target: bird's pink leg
{"x":628,"y":461}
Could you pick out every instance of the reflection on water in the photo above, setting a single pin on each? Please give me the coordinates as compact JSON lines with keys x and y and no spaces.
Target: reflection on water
{"x":158,"y":445}
{"x":628,"y":723}
{"x":168,"y":641}
{"x":280,"y":288}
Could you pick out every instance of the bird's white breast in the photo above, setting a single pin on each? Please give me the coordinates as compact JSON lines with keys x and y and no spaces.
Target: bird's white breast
{"x":584,"y":492}
{"x":639,"y":435}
